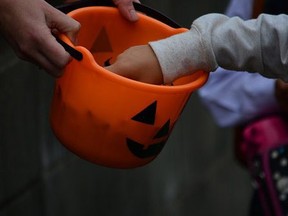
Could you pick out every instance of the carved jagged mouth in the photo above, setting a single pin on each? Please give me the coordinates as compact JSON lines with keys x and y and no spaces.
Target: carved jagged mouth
{"x":147,"y":116}
{"x":140,"y":151}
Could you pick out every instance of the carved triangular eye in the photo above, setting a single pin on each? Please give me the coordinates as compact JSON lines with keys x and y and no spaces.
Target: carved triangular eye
{"x":101,"y":43}
{"x":163,"y":131}
{"x":147,"y":115}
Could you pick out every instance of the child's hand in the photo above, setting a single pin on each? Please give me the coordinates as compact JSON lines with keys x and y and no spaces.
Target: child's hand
{"x":138,"y":63}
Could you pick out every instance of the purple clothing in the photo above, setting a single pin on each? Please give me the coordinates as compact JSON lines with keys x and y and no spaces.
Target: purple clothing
{"x":234,"y":97}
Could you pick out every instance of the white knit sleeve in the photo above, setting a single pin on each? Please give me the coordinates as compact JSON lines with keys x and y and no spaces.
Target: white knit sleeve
{"x":258,"y":45}
{"x":183,"y":54}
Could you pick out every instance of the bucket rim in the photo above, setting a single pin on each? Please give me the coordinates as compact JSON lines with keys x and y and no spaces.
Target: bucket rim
{"x":198,"y":79}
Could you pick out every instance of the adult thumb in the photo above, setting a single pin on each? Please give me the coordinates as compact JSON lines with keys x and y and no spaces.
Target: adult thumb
{"x":62,"y":23}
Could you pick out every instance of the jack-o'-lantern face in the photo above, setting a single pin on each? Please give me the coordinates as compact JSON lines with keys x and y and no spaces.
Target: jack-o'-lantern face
{"x":147,"y":116}
{"x":105,"y":118}
{"x":104,"y":53}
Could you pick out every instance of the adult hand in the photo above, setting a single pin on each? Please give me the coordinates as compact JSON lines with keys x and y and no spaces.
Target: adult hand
{"x":28,"y":26}
{"x":138,"y":63}
{"x":126,"y":8}
{"x":281,"y":94}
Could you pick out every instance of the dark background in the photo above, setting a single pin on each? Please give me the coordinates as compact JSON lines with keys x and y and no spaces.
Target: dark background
{"x":195,"y":174}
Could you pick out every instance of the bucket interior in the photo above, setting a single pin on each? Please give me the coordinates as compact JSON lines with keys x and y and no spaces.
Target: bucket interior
{"x":106,"y":34}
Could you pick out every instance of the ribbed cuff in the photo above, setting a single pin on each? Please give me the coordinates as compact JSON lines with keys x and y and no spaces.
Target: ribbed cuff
{"x":183,"y":54}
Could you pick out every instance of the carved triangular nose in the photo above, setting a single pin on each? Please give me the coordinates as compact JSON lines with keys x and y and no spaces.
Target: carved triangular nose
{"x":147,"y":115}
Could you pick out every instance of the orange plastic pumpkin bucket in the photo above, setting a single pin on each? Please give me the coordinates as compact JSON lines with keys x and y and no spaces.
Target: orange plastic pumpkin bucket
{"x":108,"y":119}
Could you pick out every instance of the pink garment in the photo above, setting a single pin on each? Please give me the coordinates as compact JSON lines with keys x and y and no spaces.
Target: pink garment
{"x":264,"y":147}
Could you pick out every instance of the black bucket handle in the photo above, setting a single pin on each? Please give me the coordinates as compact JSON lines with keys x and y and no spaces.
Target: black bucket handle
{"x":66,"y":8}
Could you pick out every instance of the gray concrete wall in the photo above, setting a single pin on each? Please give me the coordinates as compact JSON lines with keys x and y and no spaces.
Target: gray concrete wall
{"x":195,"y":174}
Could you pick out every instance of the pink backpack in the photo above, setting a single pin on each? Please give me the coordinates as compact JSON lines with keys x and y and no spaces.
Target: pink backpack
{"x":264,"y":148}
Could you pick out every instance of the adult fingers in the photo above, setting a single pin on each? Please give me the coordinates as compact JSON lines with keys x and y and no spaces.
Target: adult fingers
{"x":127,"y":9}
{"x":60,"y":22}
{"x":53,"y":55}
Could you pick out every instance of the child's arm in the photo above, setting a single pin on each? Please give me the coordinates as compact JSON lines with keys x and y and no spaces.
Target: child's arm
{"x":214,"y":40}
{"x":259,"y":45}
